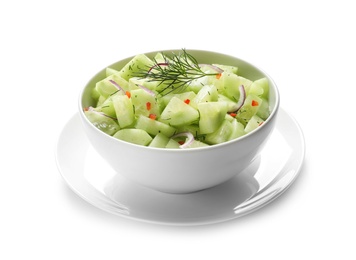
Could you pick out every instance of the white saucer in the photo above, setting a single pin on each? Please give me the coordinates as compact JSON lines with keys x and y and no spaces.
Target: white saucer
{"x":269,"y":176}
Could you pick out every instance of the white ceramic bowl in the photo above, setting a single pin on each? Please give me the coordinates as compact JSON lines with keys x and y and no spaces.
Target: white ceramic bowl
{"x":182,"y":170}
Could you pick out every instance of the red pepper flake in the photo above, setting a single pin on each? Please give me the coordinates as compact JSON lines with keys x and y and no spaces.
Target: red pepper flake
{"x":152,"y":116}
{"x":254,"y":103}
{"x":260,"y":123}
{"x":187,"y":101}
{"x":181,"y":142}
{"x":148,"y":106}
{"x":218,"y":76}
{"x":128,"y":94}
{"x":233,"y":114}
{"x":86,"y":109}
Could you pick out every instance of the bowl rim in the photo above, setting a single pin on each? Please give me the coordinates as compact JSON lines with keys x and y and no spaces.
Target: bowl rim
{"x":274,"y":110}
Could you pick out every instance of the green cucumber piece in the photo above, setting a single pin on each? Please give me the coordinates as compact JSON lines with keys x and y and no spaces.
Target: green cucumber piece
{"x":238,"y":129}
{"x":135,"y":136}
{"x":159,"y":141}
{"x":227,"y":68}
{"x":173,"y":144}
{"x":137,"y":63}
{"x":208,"y":93}
{"x":190,"y":95}
{"x":220,"y":135}
{"x":212,"y":114}
{"x":231,"y":83}
{"x":106,"y":88}
{"x":178,"y":113}
{"x":124,"y":110}
{"x":110,"y":71}
{"x":102,"y":122}
{"x":144,"y":103}
{"x":250,"y":107}
{"x":154,"y":127}
{"x":263,"y":111}
{"x":260,"y":88}
{"x":197,"y":144}
{"x":254,"y":122}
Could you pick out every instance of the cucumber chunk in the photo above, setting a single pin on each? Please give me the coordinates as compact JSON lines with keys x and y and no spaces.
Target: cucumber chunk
{"x":144,"y":103}
{"x":102,"y":122}
{"x":106,"y":88}
{"x":212,"y":114}
{"x":253,"y":123}
{"x":250,"y":107}
{"x":135,"y":136}
{"x":178,"y":113}
{"x":154,"y":127}
{"x":222,"y":134}
{"x":124,"y":110}
{"x":137,"y":63}
{"x":159,"y":141}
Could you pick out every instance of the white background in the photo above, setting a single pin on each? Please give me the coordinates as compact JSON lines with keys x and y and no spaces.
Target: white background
{"x":50,"y":49}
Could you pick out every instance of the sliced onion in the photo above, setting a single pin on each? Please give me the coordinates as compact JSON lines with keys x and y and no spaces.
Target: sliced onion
{"x":158,"y":64}
{"x":117,"y":85}
{"x":241,"y":100}
{"x":147,"y":90}
{"x":189,"y":141}
{"x":217,"y":69}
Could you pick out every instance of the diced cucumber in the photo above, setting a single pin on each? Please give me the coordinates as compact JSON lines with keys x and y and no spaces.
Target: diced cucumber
{"x":135,"y":136}
{"x":211,"y":116}
{"x":137,"y":63}
{"x":249,"y":108}
{"x":144,"y":103}
{"x":196,"y":144}
{"x":260,"y":88}
{"x":178,"y":113}
{"x":124,"y":110}
{"x":107,"y":107}
{"x":220,"y":135}
{"x":263,"y":111}
{"x":102,"y":122}
{"x":194,"y":129}
{"x":110,"y":71}
{"x":238,"y":129}
{"x":106,"y":88}
{"x":134,"y":82}
{"x":159,"y":141}
{"x":187,"y":97}
{"x":197,"y":84}
{"x":227,"y":68}
{"x":154,"y":127}
{"x":208,"y":93}
{"x":230,"y":104}
{"x":254,"y":122}
{"x":231,"y":83}
{"x":172,"y":144}
{"x":95,"y":94}
{"x":101,"y":100}
{"x":159,"y":58}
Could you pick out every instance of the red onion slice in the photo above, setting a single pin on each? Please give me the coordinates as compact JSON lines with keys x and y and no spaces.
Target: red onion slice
{"x":117,"y":85}
{"x":147,"y":90}
{"x":189,"y":141}
{"x":241,"y":100}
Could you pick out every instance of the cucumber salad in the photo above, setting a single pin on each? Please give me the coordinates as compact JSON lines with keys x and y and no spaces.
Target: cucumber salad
{"x":175,"y":102}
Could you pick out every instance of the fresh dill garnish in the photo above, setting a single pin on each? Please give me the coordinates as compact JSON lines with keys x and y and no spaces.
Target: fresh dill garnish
{"x":175,"y":73}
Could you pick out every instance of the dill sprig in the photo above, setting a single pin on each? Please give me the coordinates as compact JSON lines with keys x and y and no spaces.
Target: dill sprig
{"x":175,"y":73}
